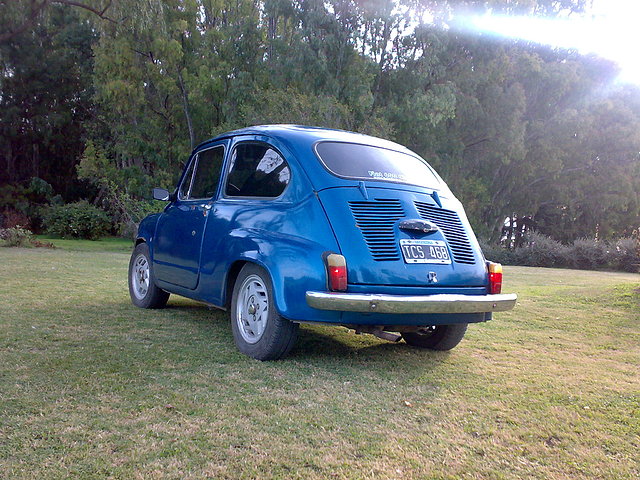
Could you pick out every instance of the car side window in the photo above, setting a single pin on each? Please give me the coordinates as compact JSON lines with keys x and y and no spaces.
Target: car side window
{"x":186,"y":181}
{"x":256,"y":171}
{"x":204,"y":181}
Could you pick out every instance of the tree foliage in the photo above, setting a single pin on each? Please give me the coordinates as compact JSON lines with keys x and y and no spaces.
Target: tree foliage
{"x":46,"y":99}
{"x":517,"y":130}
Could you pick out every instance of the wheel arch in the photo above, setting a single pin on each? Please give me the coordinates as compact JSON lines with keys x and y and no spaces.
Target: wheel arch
{"x":290,"y":278}
{"x":232,"y":276}
{"x":146,"y":231}
{"x":276,"y":277}
{"x":141,"y":274}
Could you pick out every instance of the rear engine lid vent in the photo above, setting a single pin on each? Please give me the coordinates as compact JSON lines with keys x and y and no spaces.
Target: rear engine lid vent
{"x":449,"y":223}
{"x":376,"y":220}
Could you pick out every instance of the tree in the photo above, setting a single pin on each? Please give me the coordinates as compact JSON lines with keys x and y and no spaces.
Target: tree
{"x":46,"y":85}
{"x":23,"y":15}
{"x":516,"y":129}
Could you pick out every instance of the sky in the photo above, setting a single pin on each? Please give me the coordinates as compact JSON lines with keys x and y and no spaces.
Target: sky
{"x":609,"y":30}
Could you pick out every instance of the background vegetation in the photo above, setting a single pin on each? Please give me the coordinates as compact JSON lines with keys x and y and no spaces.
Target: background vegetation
{"x":102,"y":100}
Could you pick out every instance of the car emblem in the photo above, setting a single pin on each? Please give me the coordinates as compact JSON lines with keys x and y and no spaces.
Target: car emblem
{"x":432,"y":277}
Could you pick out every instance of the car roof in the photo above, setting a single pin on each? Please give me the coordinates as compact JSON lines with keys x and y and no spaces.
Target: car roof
{"x":302,"y":134}
{"x":300,"y":141}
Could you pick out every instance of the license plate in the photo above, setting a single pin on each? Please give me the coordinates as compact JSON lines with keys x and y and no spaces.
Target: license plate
{"x":425,"y":251}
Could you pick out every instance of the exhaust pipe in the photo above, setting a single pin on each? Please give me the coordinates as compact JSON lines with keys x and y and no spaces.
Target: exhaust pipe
{"x":378,"y":332}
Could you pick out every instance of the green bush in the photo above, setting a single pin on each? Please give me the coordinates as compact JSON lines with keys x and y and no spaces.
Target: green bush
{"x":584,"y":254}
{"x":14,"y":198}
{"x":77,"y":220}
{"x":589,"y":254}
{"x":538,"y":250}
{"x":625,"y":255}
{"x":23,"y":204}
{"x":131,"y":213}
{"x":16,"y":236}
{"x":543,"y":251}
{"x":497,"y":253}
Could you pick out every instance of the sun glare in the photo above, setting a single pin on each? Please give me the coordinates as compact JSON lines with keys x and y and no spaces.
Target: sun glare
{"x":608,"y":30}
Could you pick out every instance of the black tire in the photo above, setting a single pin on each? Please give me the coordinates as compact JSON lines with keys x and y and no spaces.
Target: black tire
{"x":142,"y":288}
{"x":439,"y":337}
{"x":258,"y":330}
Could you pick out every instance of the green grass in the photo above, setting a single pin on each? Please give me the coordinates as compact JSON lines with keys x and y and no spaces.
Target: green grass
{"x":91,"y":387}
{"x":107,"y":244}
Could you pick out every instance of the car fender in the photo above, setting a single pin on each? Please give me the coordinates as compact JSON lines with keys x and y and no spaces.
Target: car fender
{"x":295,"y":266}
{"x":147,"y":230}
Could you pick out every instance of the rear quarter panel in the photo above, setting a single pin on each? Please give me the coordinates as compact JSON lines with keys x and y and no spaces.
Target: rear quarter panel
{"x":286,"y":239}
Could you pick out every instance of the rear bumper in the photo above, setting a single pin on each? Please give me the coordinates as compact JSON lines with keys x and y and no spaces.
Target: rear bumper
{"x":416,"y":304}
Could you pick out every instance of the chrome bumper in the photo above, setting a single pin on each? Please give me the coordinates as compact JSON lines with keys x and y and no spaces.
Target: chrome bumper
{"x":445,"y":303}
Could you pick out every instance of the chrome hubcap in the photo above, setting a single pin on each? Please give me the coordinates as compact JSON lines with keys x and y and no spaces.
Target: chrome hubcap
{"x":140,"y":277}
{"x":252,"y":309}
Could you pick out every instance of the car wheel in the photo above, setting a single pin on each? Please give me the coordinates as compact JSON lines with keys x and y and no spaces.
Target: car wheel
{"x":438,"y":337}
{"x":142,"y":288}
{"x":258,"y":330}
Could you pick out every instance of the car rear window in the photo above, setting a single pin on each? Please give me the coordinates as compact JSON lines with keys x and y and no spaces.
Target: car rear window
{"x":366,"y":162}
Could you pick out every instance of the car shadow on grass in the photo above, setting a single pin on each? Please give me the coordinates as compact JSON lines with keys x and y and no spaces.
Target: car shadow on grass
{"x":316,"y":344}
{"x":339,"y":343}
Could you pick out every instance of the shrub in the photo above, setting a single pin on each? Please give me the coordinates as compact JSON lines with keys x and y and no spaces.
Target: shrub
{"x":130,"y":213}
{"x":40,"y":190}
{"x":16,"y":236}
{"x":538,"y":250}
{"x":496,"y":253}
{"x":584,"y":254}
{"x":542,"y":251}
{"x":21,"y":204}
{"x":14,"y":197}
{"x":10,"y":218}
{"x":77,"y":220}
{"x":625,"y":255}
{"x":589,"y":254}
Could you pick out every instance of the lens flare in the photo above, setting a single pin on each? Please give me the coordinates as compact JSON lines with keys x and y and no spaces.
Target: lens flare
{"x":609,"y":32}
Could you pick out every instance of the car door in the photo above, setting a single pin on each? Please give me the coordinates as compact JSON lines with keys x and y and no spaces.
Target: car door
{"x":180,"y":228}
{"x":249,"y":207}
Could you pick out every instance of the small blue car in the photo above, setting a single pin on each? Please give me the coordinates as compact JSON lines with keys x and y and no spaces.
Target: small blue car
{"x":284,"y":224}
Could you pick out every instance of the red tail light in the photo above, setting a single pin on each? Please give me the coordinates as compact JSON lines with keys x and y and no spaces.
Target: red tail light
{"x":337,"y":271}
{"x":495,"y":277}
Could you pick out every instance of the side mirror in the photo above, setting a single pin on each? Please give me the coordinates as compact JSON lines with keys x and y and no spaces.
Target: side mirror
{"x":161,"y":194}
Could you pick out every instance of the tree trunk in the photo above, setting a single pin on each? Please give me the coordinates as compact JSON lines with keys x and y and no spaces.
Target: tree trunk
{"x":11,"y":163}
{"x":187,"y":110}
{"x":271,"y":35}
{"x":386,"y":33}
{"x":35,"y":160}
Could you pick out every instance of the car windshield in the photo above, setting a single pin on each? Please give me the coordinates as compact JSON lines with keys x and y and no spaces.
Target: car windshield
{"x":365,"y":162}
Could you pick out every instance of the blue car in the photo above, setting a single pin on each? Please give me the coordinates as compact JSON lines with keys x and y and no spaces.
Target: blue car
{"x":284,"y":224}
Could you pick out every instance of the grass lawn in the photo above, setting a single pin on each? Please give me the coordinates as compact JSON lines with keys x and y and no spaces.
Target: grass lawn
{"x":107,"y":244}
{"x":91,"y":387}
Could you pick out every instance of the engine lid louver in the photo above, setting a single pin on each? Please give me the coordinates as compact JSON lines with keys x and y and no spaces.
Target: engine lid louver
{"x":452,"y":229}
{"x":376,"y":220}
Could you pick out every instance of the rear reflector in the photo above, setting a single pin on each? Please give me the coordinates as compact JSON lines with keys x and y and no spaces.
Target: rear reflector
{"x":337,"y":271}
{"x":495,"y":277}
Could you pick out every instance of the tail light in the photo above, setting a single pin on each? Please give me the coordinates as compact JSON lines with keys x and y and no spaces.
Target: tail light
{"x":337,"y":272}
{"x":495,"y":277}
